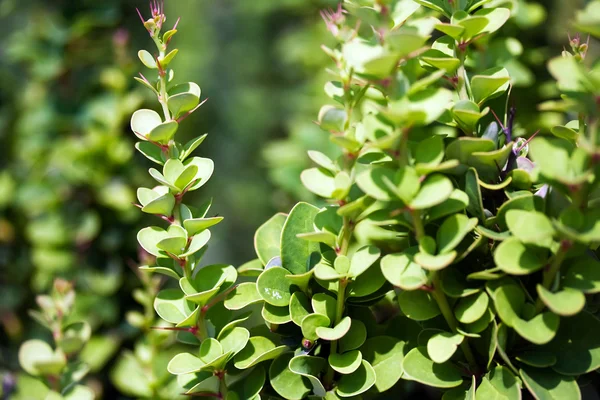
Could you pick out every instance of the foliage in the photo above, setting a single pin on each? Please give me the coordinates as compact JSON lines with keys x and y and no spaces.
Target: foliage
{"x":453,"y":252}
{"x":59,"y":367}
{"x":470,"y":230}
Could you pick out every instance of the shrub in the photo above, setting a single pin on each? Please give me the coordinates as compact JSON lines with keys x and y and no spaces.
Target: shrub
{"x":455,"y":250}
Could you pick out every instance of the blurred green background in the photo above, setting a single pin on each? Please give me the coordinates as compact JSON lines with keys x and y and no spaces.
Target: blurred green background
{"x":68,"y":168}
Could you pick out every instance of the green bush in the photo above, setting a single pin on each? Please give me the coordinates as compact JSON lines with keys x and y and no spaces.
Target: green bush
{"x":452,"y":249}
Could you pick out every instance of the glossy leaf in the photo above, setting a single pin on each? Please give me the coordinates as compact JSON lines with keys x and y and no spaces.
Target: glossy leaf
{"x":419,"y":367}
{"x":274,"y":287}
{"x":295,"y":252}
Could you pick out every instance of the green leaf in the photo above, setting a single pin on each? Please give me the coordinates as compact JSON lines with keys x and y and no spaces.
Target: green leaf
{"x":243,"y":295}
{"x":402,"y":271}
{"x":210,"y":350}
{"x":513,"y":257}
{"x":538,"y":359}
{"x":174,"y":245}
{"x":421,"y":108}
{"x":570,"y":131}
{"x":258,"y":349}
{"x":418,"y":305}
{"x":332,"y":118}
{"x":442,"y":346}
{"x":341,"y":264}
{"x":453,"y":230}
{"x":205,"y":384}
{"x":274,"y":287}
{"x":147,"y":59}
{"x":553,"y":157}
{"x":433,"y":262}
{"x":151,"y":151}
{"x":267,"y":239}
{"x":163,"y":132}
{"x":286,"y":383}
{"x":322,"y":160}
{"x":162,"y":205}
{"x":545,"y":384}
{"x":462,"y":148}
{"x":325,"y":237}
{"x":437,"y":5}
{"x":190,"y":146}
{"x":357,"y":382}
{"x":496,"y":18}
{"x":319,"y":181}
{"x":435,"y":190}
{"x":588,"y":19}
{"x":530,"y":227}
{"x":342,"y":184}
{"x":37,"y":358}
{"x":471,"y":308}
{"x":311,"y":322}
{"x":74,"y":337}
{"x":368,"y":283}
{"x":368,"y":59}
{"x":362,"y":259}
{"x":171,"y":305}
{"x":276,"y":315}
{"x":454,"y":31}
{"x":295,"y":252}
{"x":78,"y":392}
{"x":498,"y":384}
{"x":385,"y":354}
{"x":430,"y":152}
{"x":420,"y":368}
{"x":583,"y":274}
{"x":198,"y":241}
{"x":249,"y":386}
{"x":233,"y":340}
{"x":144,"y":121}
{"x":345,"y":363}
{"x":540,"y":329}
{"x":335,"y":333}
{"x":566,"y":302}
{"x":570,"y":74}
{"x":509,"y":300}
{"x":326,"y":273}
{"x":440,"y":60}
{"x":526,"y":202}
{"x":183,"y":98}
{"x":205,"y":166}
{"x":309,"y":367}
{"x":251,"y":268}
{"x":372,"y":182}
{"x":576,"y":345}
{"x":197,"y":225}
{"x":467,"y":114}
{"x":299,"y":307}
{"x":489,"y":84}
{"x":185,"y":363}
{"x":355,"y":337}
{"x":324,"y":304}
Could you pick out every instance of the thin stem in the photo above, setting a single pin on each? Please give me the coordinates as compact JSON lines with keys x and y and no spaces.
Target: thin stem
{"x":403,"y":148}
{"x":163,"y":97}
{"x":552,"y":272}
{"x":202,"y":332}
{"x":339,"y":311}
{"x":461,"y":73}
{"x":442,"y":301}
{"x":341,"y":295}
{"x":418,"y":224}
{"x":222,"y":387}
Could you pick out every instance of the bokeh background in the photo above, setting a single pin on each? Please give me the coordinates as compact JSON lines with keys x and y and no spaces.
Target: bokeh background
{"x":68,"y":168}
